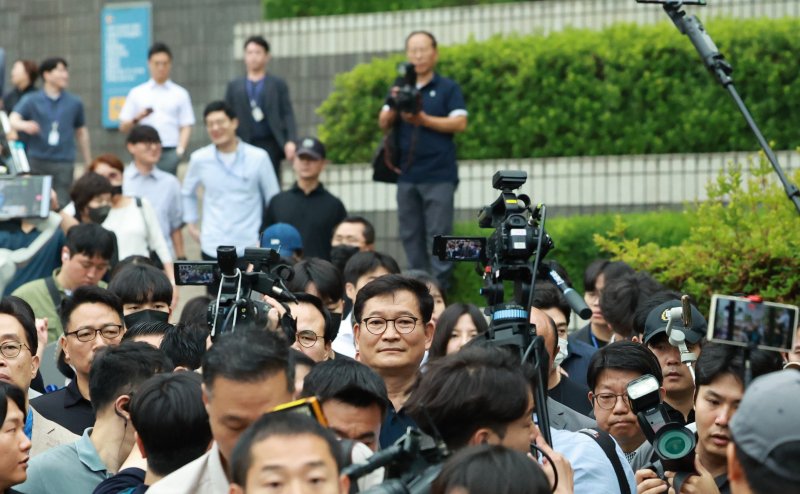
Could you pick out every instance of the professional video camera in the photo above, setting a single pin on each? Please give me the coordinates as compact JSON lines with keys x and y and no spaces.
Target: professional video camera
{"x":518,"y":236}
{"x":673,"y":443}
{"x":233,"y":306}
{"x":412,"y":464}
{"x":408,"y":98}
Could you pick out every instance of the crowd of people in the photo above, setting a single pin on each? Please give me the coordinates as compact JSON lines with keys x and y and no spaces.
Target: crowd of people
{"x":146,"y":401}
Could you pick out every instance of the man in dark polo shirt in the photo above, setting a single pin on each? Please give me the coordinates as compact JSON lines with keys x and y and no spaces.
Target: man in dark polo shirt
{"x":307,"y":205}
{"x":54,"y":120}
{"x":92,"y":319}
{"x":427,"y":157}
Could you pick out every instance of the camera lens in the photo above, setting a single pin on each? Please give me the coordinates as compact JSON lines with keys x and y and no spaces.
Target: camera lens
{"x":675,"y":443}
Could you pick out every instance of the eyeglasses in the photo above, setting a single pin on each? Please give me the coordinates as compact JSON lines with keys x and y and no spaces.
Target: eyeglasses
{"x":12,"y":350}
{"x":108,"y":331}
{"x":307,"y":338}
{"x":403,"y":325}
{"x":608,"y":401}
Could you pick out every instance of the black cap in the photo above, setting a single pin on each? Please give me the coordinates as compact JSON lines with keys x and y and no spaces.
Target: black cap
{"x":657,"y":323}
{"x":143,"y":133}
{"x":311,"y":146}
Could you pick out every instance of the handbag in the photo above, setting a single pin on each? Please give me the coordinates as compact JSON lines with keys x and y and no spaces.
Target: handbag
{"x":384,"y":168}
{"x":153,"y":255}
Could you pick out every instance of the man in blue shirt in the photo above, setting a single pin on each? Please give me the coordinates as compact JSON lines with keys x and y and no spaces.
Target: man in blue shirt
{"x":54,"y":120}
{"x":238,"y":181}
{"x":427,"y":156}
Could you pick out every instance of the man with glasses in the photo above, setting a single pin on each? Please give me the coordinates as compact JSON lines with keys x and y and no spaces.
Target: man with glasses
{"x":611,"y":369}
{"x":18,"y":347}
{"x":163,"y":190}
{"x":92,"y":319}
{"x":84,"y":261}
{"x":314,"y":327}
{"x":393,"y":328}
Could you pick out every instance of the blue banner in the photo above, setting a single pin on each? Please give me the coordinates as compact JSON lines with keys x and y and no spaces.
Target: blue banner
{"x":126,"y":35}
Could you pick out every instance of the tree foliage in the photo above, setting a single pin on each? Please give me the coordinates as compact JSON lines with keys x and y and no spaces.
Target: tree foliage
{"x":744,"y":239}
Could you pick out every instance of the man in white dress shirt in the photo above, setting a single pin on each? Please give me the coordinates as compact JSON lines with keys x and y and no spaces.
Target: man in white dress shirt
{"x":163,"y":105}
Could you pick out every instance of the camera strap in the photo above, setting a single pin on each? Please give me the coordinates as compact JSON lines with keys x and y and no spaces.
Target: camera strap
{"x":608,"y":446}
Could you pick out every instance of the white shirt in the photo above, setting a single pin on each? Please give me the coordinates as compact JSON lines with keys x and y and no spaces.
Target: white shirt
{"x":345,"y":342}
{"x":171,"y":104}
{"x":137,"y":231}
{"x":592,"y":470}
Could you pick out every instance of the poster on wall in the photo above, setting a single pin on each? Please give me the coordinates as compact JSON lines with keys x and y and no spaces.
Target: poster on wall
{"x":125,"y":36}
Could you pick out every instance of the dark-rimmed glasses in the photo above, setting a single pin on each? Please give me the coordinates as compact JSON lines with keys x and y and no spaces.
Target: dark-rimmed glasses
{"x":402,"y":324}
{"x":108,"y":331}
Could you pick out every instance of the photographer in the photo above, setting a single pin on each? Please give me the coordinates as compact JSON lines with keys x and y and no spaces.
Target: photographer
{"x":425,"y":119}
{"x":719,"y":384}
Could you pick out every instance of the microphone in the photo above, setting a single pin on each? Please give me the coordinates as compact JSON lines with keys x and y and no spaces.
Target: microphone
{"x":574,"y":298}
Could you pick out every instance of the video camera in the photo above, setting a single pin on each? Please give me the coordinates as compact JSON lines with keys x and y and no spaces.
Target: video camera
{"x":234,"y":306}
{"x":412,"y":464}
{"x":408,"y":98}
{"x":673,"y":443}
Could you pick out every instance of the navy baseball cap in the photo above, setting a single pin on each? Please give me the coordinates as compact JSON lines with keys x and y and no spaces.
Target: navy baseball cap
{"x":657,"y":323}
{"x":312,"y":147}
{"x":282,"y":237}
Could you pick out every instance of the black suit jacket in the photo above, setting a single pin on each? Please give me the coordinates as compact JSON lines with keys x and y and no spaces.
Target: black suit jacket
{"x":274,"y":99}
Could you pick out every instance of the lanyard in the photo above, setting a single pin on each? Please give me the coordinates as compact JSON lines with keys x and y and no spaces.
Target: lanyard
{"x":253,"y":90}
{"x":55,"y":108}
{"x":594,"y":339}
{"x":231,"y":170}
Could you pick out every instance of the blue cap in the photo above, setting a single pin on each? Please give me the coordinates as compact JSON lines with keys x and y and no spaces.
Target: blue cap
{"x":282,"y":237}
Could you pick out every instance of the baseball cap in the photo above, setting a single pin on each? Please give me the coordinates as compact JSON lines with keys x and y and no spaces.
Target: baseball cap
{"x":766,"y":420}
{"x":311,"y":146}
{"x":656,"y":323}
{"x":282,"y":237}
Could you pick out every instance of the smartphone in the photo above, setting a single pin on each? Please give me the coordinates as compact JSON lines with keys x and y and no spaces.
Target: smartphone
{"x":200,"y":273}
{"x":306,"y":406}
{"x":25,"y":196}
{"x":737,"y":320}
{"x":459,"y":248}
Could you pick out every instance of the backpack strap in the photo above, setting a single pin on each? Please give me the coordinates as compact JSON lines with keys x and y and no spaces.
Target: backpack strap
{"x":608,"y":446}
{"x":55,"y":295}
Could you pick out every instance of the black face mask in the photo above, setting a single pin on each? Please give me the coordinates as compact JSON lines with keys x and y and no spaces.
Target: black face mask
{"x":99,"y":215}
{"x":116,"y":190}
{"x":336,"y":320}
{"x":341,"y":254}
{"x":147,"y":315}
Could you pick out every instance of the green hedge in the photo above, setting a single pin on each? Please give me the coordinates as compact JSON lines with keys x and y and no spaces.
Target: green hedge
{"x":625,"y":90}
{"x":574,"y":244}
{"x":278,"y":9}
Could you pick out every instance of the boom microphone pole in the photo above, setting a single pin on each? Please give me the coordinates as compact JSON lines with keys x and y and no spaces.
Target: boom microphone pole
{"x":691,"y":26}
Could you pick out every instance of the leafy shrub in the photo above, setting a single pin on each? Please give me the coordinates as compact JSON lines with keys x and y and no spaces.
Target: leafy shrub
{"x":574,"y":244}
{"x":624,"y":90}
{"x":278,"y":9}
{"x":744,"y":239}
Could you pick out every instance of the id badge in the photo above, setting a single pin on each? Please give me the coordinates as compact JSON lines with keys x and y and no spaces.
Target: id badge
{"x":258,"y":115}
{"x":53,"y":137}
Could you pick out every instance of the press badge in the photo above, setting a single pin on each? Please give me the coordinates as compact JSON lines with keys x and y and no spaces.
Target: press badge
{"x":53,"y":137}
{"x":258,"y":115}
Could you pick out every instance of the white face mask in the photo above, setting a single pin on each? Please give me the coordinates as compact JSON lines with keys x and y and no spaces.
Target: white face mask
{"x":563,"y":343}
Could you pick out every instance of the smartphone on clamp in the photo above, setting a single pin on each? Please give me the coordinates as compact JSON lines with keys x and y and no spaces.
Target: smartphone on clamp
{"x":740,"y":320}
{"x":449,"y":248}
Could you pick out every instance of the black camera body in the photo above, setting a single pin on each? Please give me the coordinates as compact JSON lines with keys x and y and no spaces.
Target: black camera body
{"x":408,"y":98}
{"x":674,"y":444}
{"x":234,"y":308}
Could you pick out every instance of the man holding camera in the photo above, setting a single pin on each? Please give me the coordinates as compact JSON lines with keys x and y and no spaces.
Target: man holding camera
{"x":425,"y":117}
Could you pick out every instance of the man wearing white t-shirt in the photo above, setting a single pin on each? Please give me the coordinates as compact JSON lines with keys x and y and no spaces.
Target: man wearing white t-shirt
{"x":163,"y":105}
